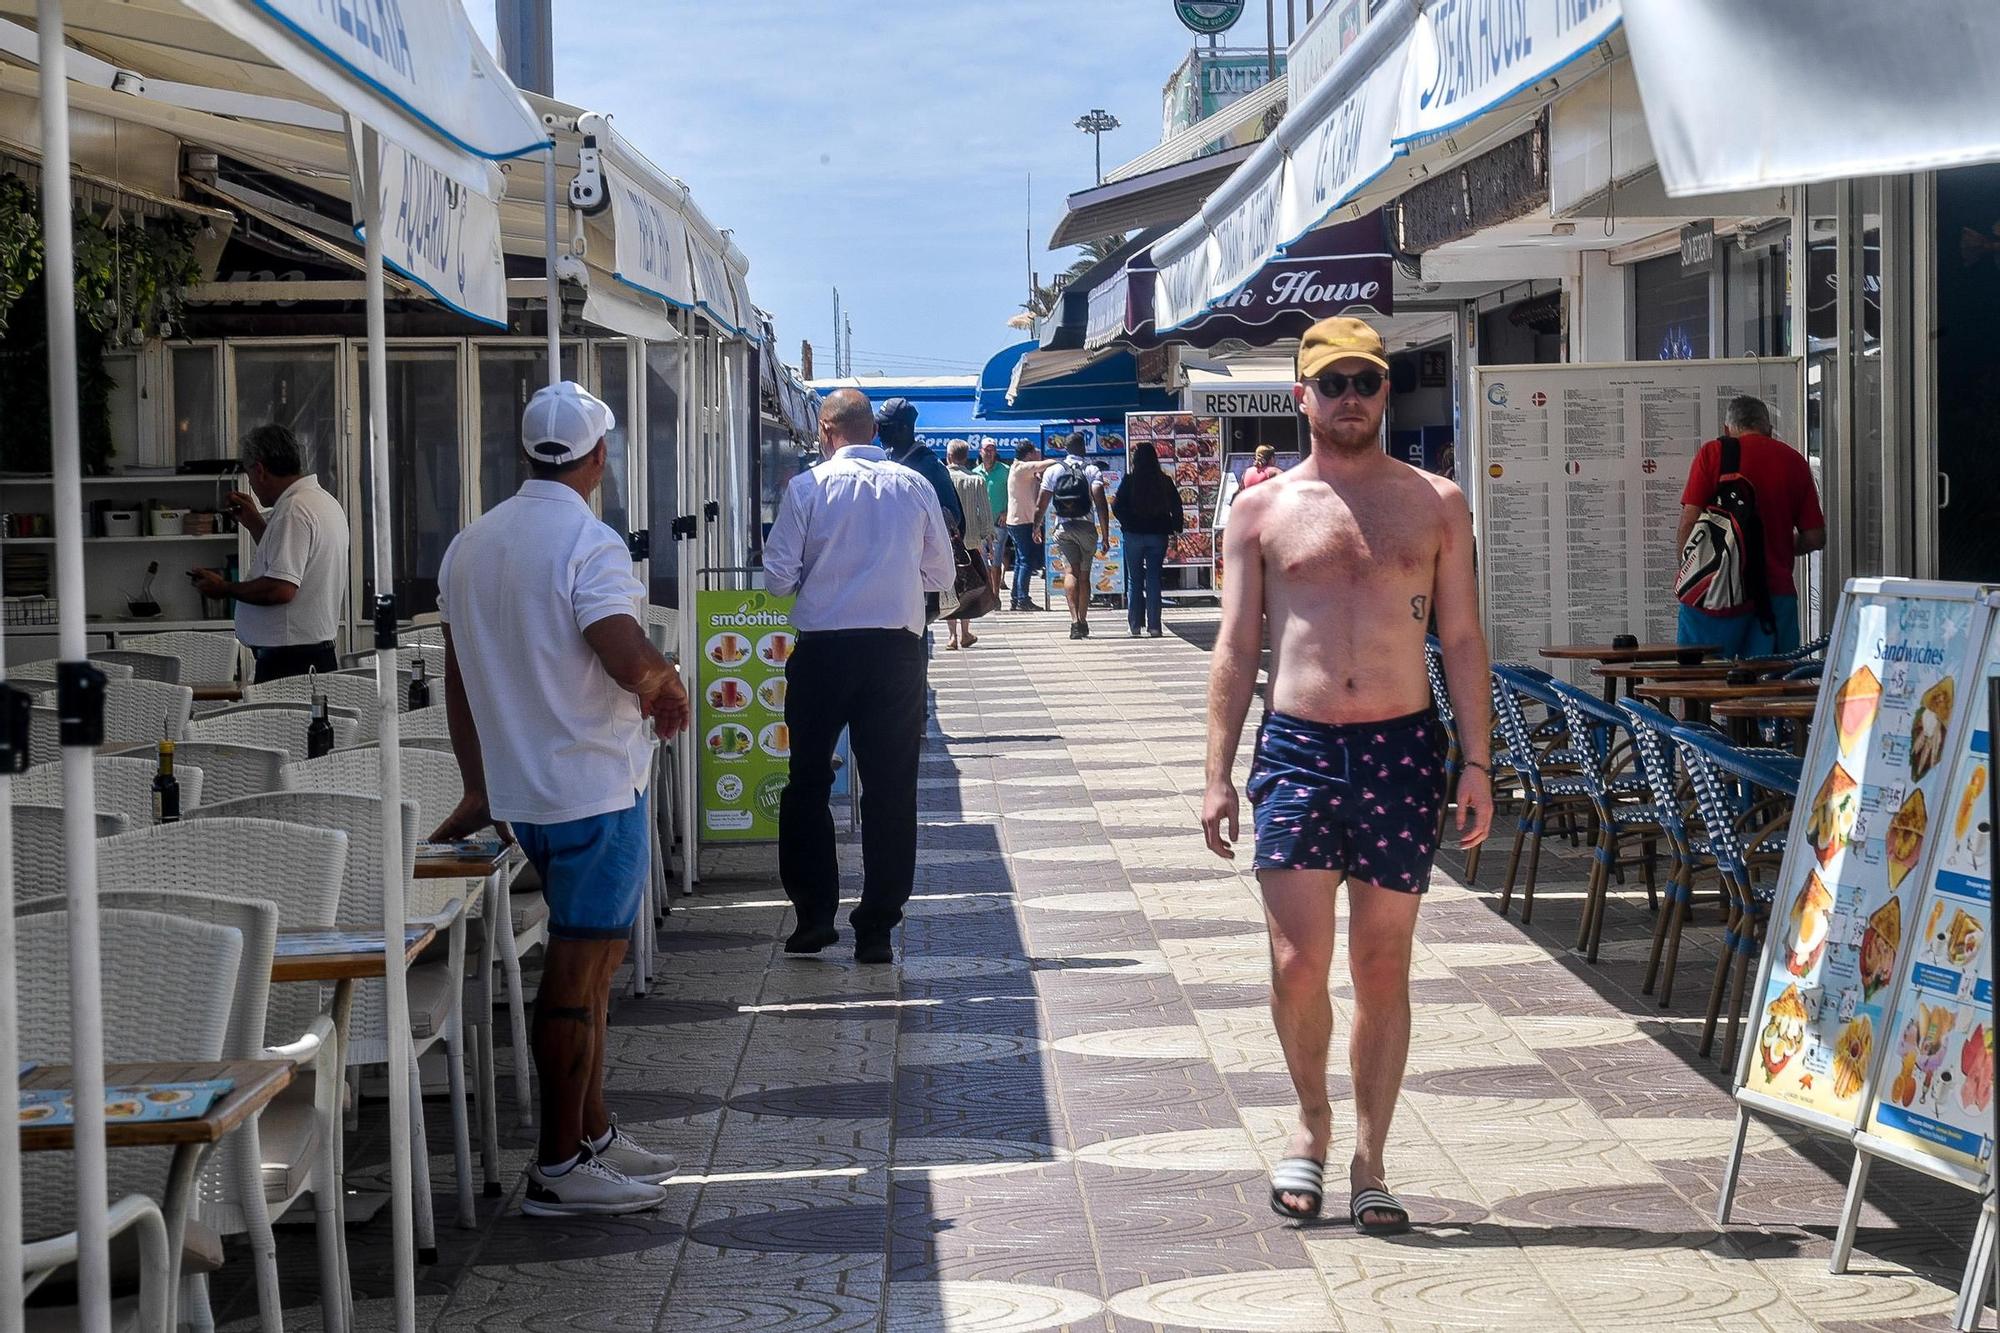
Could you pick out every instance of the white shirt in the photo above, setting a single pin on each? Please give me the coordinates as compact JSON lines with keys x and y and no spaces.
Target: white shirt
{"x":305,"y":545}
{"x":1093,"y":477}
{"x":561,"y":739}
{"x":860,"y":540}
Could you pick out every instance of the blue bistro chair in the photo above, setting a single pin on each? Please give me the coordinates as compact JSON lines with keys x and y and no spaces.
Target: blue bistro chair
{"x":1621,"y":799}
{"x":1744,"y":832}
{"x":1806,"y":650}
{"x":1652,"y":738}
{"x":1550,"y":791}
{"x":1454,"y":755}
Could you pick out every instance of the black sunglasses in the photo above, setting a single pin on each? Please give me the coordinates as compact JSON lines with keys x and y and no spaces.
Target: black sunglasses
{"x":1333,"y":385}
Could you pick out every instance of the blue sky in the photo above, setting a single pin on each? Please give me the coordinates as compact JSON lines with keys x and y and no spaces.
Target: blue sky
{"x":883,"y":147}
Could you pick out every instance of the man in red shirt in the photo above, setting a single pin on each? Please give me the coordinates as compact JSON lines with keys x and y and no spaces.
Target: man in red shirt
{"x":1789,"y":514}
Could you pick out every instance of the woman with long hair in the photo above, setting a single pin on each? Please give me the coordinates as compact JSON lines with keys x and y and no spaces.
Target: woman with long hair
{"x":1148,"y":508}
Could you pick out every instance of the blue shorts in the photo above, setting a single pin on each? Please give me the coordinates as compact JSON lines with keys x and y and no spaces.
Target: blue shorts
{"x":594,"y":871}
{"x":1742,"y":636}
{"x":1357,"y":798}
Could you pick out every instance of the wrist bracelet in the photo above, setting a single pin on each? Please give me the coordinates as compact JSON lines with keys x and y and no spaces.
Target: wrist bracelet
{"x":1474,"y":763}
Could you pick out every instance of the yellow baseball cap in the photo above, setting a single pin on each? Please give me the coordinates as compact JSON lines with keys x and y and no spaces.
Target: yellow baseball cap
{"x":1338,"y":339}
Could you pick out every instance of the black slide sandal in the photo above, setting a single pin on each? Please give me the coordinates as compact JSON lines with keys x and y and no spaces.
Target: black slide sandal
{"x":1378,"y":1201}
{"x":1297,"y":1175}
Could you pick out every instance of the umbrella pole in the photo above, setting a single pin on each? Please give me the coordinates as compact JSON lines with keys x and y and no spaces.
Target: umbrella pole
{"x":689,"y":503}
{"x":369,"y":178}
{"x":10,"y":1018}
{"x":549,"y":267}
{"x":80,"y":697}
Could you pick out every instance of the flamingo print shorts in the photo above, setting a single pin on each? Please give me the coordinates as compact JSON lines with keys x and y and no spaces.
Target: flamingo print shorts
{"x":1358,"y":798}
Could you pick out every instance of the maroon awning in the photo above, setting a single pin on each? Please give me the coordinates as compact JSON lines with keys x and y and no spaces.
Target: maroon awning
{"x":1336,"y":270}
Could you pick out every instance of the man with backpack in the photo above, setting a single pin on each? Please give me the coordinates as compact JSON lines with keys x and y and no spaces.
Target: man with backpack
{"x":1749,"y":510}
{"x":1075,"y":490}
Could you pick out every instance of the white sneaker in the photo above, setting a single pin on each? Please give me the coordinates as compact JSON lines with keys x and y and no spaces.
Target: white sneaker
{"x":624,"y":1154}
{"x":592,"y":1186}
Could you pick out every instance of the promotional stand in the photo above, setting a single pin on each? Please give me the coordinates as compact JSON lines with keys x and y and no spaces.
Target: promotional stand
{"x":1872,"y":1019}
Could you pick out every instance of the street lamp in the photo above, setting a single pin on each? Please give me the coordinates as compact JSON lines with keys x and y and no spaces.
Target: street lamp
{"x":1095,"y":124}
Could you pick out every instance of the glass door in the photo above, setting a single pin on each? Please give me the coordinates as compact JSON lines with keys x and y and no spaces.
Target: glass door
{"x":426,"y":423}
{"x":1966,"y":351}
{"x":508,"y":375}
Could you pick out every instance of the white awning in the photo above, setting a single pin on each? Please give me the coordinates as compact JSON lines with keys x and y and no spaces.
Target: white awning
{"x":1782,"y":92}
{"x":414,"y":70}
{"x":1425,"y":83}
{"x":442,"y":236}
{"x":611,"y":304}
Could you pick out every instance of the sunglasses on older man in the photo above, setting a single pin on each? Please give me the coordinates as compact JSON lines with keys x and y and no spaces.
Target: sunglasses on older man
{"x":1333,"y":385}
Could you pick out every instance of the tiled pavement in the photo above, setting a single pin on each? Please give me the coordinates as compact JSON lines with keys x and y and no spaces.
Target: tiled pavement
{"x":1057,"y":1112}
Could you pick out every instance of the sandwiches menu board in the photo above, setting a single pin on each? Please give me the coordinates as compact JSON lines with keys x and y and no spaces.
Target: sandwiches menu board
{"x":1934,"y":1092}
{"x":1874,"y":807}
{"x":744,"y":638}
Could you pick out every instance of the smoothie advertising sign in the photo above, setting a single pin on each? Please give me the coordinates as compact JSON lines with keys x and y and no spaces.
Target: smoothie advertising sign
{"x":745,"y":639}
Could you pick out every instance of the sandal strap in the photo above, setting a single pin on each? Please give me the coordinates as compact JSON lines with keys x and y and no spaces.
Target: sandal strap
{"x":1300,"y":1175}
{"x":1377,"y":1201}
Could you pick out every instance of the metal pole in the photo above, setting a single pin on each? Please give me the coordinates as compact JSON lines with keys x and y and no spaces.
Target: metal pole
{"x":10,"y":1047}
{"x":93,"y":1262}
{"x":389,"y":736}
{"x":690,"y":557}
{"x":1097,"y":148}
{"x":1271,"y":38}
{"x":1291,"y":23}
{"x":549,"y":266}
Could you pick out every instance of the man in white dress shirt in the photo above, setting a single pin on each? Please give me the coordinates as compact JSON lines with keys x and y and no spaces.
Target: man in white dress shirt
{"x":550,"y":683}
{"x":860,"y":540}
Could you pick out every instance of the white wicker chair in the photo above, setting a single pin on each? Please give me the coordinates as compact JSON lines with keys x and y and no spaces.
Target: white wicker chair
{"x":169,"y":989}
{"x":229,"y":771}
{"x":38,"y":849}
{"x":436,"y":990}
{"x":426,"y":723}
{"x":428,"y":634}
{"x":207,"y":656}
{"x":356,"y":694}
{"x":433,"y":775}
{"x":45,"y":669}
{"x":44,"y":730}
{"x":297,"y":1143}
{"x":163,"y":667}
{"x":134,"y":710}
{"x":124,"y":785}
{"x":273,"y":727}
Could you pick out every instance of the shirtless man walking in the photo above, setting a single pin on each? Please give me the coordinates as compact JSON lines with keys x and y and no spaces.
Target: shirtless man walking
{"x":1346,"y":556}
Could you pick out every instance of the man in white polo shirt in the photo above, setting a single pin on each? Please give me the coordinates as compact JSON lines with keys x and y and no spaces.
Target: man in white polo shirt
{"x":289,"y":607}
{"x":550,"y":681}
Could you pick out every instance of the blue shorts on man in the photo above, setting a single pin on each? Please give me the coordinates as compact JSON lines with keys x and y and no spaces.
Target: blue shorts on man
{"x":594,"y":871}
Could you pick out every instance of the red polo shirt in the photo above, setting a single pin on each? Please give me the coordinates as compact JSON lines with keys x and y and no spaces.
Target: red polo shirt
{"x":1787,"y":500}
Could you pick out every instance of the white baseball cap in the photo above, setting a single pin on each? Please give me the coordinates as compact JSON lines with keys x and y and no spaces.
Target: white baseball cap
{"x":564,"y":422}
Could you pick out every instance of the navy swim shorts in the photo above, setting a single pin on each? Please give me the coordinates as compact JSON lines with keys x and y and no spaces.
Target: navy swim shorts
{"x":1359,"y":798}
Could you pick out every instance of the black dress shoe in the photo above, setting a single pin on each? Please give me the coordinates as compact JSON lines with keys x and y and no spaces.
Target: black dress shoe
{"x":874,"y":951}
{"x":810,"y":939}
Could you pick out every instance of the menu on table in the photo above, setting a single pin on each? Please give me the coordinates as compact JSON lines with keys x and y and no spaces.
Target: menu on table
{"x":313,"y":943}
{"x":1873,"y":805}
{"x":1934,"y":1091}
{"x":744,"y":638}
{"x":49,"y":1108}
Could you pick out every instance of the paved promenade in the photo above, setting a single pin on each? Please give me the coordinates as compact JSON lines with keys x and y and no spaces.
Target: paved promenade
{"x":1057,"y":1112}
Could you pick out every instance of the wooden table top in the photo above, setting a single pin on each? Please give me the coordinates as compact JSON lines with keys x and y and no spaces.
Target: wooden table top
{"x":1782,"y":709}
{"x":1717,"y":691}
{"x":343,"y":966}
{"x":1645,"y":652}
{"x":464,"y":867}
{"x":256,"y":1083}
{"x":1675,"y":671}
{"x":208,"y":692}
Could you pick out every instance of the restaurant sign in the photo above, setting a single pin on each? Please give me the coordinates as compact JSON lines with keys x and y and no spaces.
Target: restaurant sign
{"x":441,"y":236}
{"x":1208,"y":17}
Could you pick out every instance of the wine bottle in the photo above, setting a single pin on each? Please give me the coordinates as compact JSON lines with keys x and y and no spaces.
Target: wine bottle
{"x":166,"y":787}
{"x":319,"y":732}
{"x":420,"y":685}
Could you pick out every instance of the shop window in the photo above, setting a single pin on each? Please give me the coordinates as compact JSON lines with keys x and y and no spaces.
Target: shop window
{"x":1669,"y":311}
{"x":423,"y":403}
{"x":1754,"y":305}
{"x":663,"y":420}
{"x":298,"y":387}
{"x":508,"y":378}
{"x":613,"y":386}
{"x":196,"y":429}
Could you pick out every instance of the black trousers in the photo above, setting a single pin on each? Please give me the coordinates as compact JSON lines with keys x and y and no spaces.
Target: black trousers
{"x":872,"y":683}
{"x":294,"y":659}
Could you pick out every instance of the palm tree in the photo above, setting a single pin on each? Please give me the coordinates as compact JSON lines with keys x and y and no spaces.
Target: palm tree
{"x":1042,"y":301}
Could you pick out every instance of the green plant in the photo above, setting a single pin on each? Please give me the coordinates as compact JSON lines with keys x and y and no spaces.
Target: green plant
{"x":20,"y":243}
